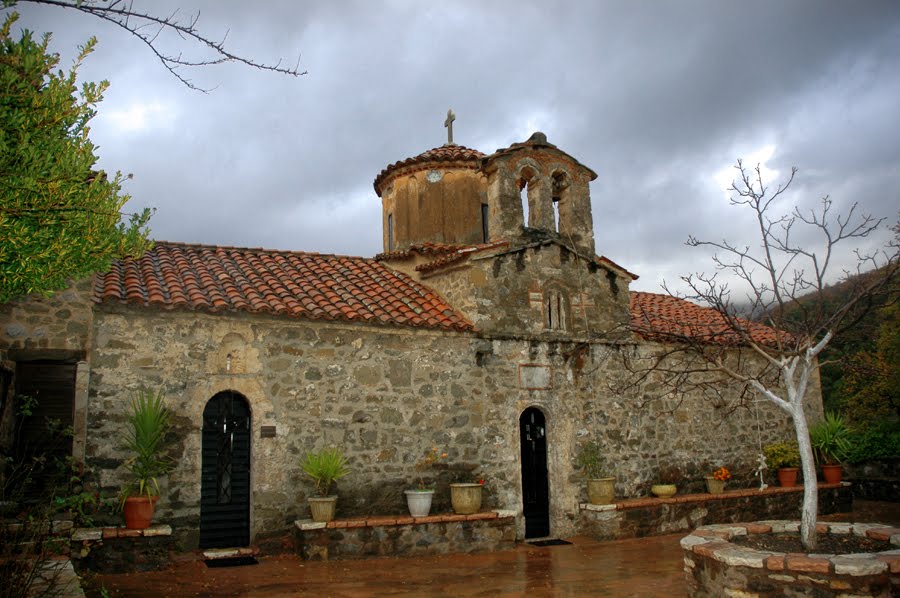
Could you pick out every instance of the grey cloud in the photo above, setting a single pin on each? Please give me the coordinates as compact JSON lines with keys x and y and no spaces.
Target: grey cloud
{"x":655,"y":96}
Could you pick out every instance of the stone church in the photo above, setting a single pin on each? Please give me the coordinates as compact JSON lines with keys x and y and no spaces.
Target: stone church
{"x":489,"y":327}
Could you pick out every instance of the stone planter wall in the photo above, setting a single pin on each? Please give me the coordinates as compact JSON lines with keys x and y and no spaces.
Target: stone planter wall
{"x":878,"y":479}
{"x":120,"y":550}
{"x":640,"y":517}
{"x":716,"y":567}
{"x":405,"y":535}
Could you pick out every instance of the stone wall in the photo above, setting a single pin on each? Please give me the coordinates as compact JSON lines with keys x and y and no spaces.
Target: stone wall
{"x":637,"y":518}
{"x":878,"y":479}
{"x":506,"y":293}
{"x":54,"y":328}
{"x":386,"y":396}
{"x":120,"y":550}
{"x":717,"y":566}
{"x":406,"y":536}
{"x":60,"y":322}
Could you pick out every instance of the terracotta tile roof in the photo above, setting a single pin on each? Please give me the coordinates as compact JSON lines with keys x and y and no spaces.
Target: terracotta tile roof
{"x":666,"y":318}
{"x":420,"y":249}
{"x":444,"y":254}
{"x":294,"y":284}
{"x":605,"y":261}
{"x":463,"y":156}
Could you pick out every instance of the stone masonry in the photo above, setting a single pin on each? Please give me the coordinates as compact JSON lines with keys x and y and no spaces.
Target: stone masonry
{"x":428,"y":345}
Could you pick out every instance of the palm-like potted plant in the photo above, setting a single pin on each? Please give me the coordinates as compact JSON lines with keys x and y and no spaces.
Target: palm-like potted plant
{"x":785,"y":458}
{"x":148,"y":423}
{"x":601,"y":487}
{"x":324,"y":468}
{"x":830,"y":439}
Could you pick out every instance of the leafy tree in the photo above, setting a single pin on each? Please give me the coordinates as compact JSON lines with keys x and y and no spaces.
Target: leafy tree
{"x":59,"y":218}
{"x":871,"y":385}
{"x":786,"y":284}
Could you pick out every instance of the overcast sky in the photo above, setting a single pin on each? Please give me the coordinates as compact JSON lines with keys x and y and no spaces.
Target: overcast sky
{"x":659,"y":98}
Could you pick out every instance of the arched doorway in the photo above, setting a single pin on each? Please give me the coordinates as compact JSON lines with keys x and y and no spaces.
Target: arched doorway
{"x":225,"y":472}
{"x":535,"y":487}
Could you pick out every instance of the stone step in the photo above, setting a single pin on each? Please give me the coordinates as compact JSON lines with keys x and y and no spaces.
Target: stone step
{"x":215,"y":554}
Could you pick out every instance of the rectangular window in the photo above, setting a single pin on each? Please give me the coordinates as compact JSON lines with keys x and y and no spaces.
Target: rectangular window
{"x":484,"y":223}
{"x":390,"y":231}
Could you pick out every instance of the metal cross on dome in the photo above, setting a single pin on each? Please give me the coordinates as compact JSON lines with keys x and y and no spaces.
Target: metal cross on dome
{"x":449,"y":124}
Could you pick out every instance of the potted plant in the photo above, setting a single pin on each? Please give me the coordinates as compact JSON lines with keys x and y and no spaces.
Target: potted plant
{"x":715,"y":483}
{"x":830,"y":439}
{"x":785,"y":458}
{"x":419,"y":499}
{"x":324,"y":468}
{"x":601,"y":488}
{"x":465,"y":497}
{"x":147,"y":425}
{"x":668,"y":480}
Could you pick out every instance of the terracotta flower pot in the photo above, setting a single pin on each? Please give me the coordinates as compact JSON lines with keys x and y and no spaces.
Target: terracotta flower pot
{"x":832,"y":473}
{"x":138,"y":511}
{"x":787,"y":476}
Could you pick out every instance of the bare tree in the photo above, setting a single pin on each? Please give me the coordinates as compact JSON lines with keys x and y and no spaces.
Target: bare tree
{"x":148,"y":27}
{"x":769,"y":347}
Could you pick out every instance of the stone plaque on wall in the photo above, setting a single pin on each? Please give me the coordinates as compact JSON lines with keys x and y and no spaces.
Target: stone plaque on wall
{"x":535,"y":377}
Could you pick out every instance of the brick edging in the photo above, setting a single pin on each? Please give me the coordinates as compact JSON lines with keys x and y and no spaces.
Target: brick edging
{"x":84,"y":534}
{"x":647,"y":501}
{"x":391,"y":520}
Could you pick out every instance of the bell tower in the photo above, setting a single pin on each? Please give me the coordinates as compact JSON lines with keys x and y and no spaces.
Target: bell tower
{"x":552,"y":187}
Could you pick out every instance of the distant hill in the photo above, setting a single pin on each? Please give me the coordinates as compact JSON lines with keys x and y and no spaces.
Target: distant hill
{"x":861,"y":335}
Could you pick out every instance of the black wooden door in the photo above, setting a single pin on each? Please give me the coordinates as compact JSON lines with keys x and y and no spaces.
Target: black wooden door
{"x":535,"y":487}
{"x":225,"y":482}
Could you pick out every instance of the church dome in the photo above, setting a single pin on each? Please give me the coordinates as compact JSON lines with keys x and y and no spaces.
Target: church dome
{"x":448,"y":155}
{"x":438,"y":196}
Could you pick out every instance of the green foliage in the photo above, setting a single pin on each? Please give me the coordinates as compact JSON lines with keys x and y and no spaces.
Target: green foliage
{"x":879,"y":440}
{"x":830,"y":439}
{"x":782,"y":454}
{"x":590,"y":460}
{"x":59,"y":218}
{"x":147,"y":426}
{"x":325,"y":467}
{"x":29,"y":475}
{"x":78,"y":498}
{"x":871,"y":382}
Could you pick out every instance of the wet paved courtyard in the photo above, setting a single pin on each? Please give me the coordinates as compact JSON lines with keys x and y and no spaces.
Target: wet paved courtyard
{"x":639,"y":567}
{"x":646,"y":567}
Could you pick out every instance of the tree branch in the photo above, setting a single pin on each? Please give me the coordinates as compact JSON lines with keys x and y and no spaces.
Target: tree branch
{"x":147,"y":28}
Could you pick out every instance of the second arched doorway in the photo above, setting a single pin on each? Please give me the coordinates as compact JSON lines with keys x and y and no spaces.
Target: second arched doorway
{"x":225,"y":472}
{"x":535,"y":484}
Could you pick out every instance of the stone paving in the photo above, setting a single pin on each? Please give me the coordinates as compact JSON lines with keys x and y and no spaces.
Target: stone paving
{"x":639,"y":567}
{"x":646,"y":567}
